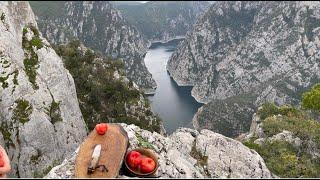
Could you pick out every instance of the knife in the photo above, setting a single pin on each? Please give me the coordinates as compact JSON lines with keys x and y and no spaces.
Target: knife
{"x":95,"y":159}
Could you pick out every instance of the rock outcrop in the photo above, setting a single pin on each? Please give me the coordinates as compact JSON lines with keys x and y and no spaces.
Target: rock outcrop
{"x":160,"y":20}
{"x":41,"y":121}
{"x":188,"y":153}
{"x":100,"y":27}
{"x":268,"y":50}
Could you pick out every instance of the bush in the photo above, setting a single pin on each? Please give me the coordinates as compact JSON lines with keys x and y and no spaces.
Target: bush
{"x":311,"y":99}
{"x":287,"y":161}
{"x":267,"y":110}
{"x":303,"y":128}
{"x":281,"y":157}
{"x":270,"y":109}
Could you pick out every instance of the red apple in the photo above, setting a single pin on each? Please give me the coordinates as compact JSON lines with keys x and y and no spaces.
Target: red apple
{"x":147,"y":165}
{"x":101,"y":128}
{"x":134,"y":159}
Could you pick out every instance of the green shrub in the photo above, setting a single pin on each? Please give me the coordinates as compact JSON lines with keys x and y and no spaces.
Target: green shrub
{"x":287,"y":161}
{"x":267,"y":110}
{"x":282,"y":158}
{"x":311,"y":99}
{"x":31,"y":61}
{"x":143,"y":143}
{"x":55,"y":112}
{"x":303,"y":128}
{"x":270,"y":109}
{"x":37,"y":42}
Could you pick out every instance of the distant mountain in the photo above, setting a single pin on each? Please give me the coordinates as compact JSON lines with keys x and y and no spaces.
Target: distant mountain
{"x":162,"y":20}
{"x":241,"y":54}
{"x":100,"y":27}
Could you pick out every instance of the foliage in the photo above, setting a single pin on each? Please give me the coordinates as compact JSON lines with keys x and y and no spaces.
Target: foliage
{"x":144,"y":143}
{"x":55,"y":112}
{"x":281,"y":157}
{"x":22,"y":111}
{"x":102,"y":97}
{"x":4,"y":82}
{"x":285,"y":160}
{"x":31,"y":62}
{"x":311,"y":99}
{"x":303,"y":128}
{"x":5,"y":131}
{"x":270,"y":109}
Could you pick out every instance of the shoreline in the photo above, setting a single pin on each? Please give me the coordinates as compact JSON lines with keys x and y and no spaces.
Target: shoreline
{"x":187,"y":85}
{"x":152,"y":92}
{"x":165,"y":41}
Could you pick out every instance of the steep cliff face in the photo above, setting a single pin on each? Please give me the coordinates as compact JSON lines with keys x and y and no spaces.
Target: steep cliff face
{"x":40,"y":118}
{"x":162,"y":21}
{"x":269,"y":50}
{"x":100,"y":27}
{"x":187,"y":154}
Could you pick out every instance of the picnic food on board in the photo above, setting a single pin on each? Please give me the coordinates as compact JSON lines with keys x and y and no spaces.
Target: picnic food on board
{"x":102,"y":152}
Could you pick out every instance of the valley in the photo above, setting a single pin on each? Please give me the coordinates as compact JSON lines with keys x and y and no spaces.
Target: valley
{"x":223,"y":89}
{"x":174,"y":104}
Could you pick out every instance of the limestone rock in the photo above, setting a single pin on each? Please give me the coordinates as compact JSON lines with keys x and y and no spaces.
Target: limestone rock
{"x":40,"y":117}
{"x":179,"y":155}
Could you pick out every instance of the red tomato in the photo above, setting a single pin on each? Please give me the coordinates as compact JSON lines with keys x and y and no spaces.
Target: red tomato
{"x":134,"y":159}
{"x":147,"y":165}
{"x":101,"y":128}
{"x":1,"y":162}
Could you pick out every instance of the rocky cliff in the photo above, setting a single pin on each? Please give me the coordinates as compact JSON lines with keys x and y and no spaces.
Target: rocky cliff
{"x":188,"y":153}
{"x":40,"y":117}
{"x":100,"y":27}
{"x":263,"y":51}
{"x":160,"y":20}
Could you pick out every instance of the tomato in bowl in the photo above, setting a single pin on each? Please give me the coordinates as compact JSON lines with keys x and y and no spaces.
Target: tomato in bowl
{"x":141,"y":162}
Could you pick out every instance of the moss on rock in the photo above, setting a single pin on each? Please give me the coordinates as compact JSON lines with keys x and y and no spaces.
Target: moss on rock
{"x":31,"y":62}
{"x":22,"y":111}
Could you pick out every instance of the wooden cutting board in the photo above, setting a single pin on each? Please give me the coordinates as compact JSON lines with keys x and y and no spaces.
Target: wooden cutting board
{"x":114,"y":144}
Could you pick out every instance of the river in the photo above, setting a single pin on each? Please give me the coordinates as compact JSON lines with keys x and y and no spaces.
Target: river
{"x":174,"y":104}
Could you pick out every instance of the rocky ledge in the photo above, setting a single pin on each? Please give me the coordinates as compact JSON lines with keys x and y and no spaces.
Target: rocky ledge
{"x":188,"y":153}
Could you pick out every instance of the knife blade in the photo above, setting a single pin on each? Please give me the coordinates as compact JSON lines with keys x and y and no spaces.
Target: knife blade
{"x":94,"y":158}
